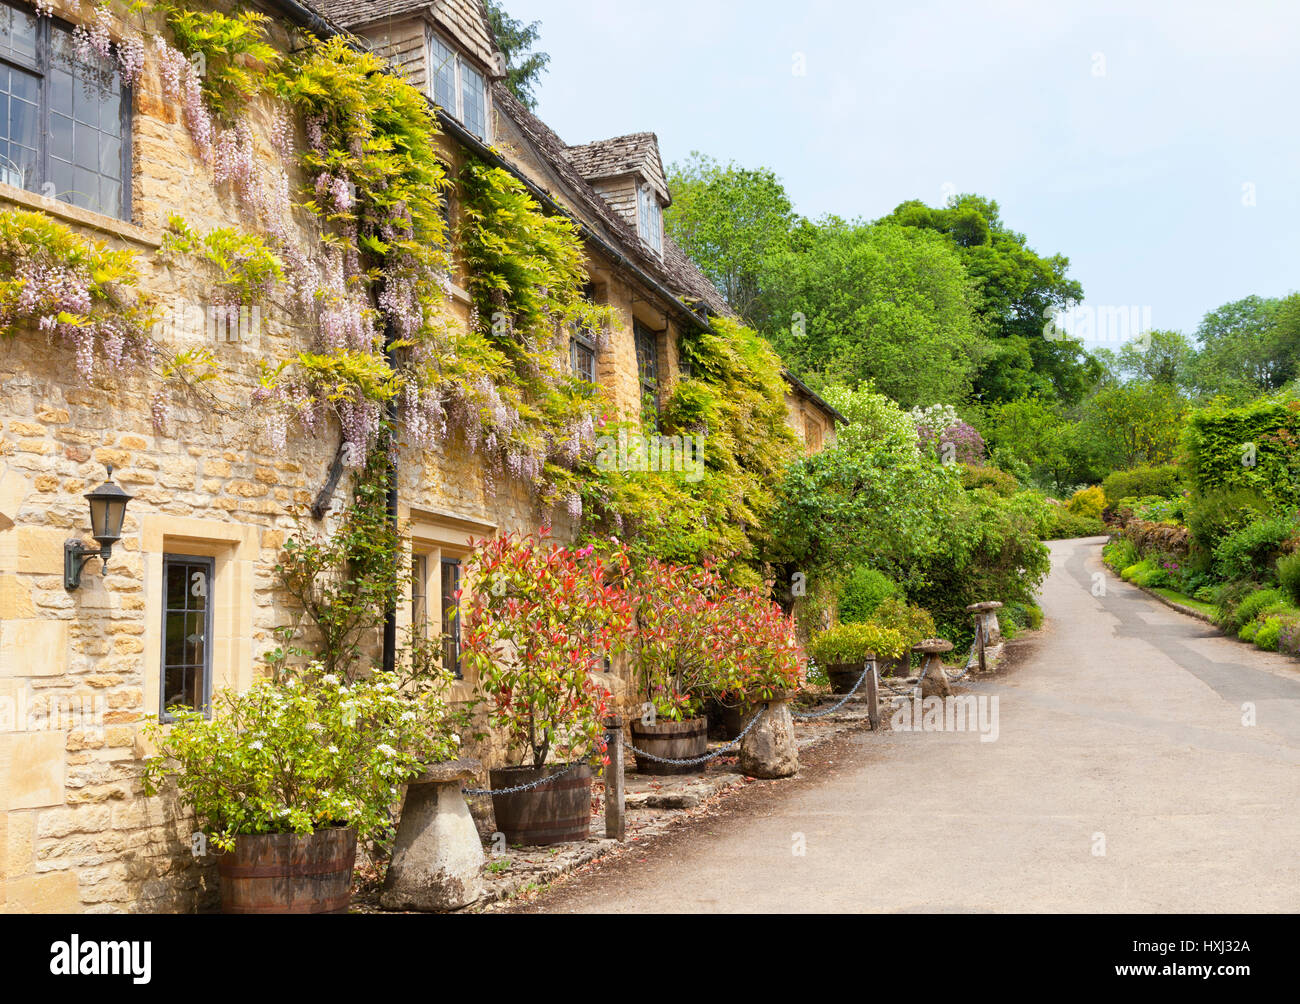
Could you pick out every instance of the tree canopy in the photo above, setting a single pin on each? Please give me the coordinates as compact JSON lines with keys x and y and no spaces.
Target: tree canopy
{"x":524,"y":65}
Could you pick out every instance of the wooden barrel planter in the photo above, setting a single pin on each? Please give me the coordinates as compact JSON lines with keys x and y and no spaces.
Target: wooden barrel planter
{"x":289,"y":873}
{"x":734,"y":718}
{"x":675,"y":740}
{"x":843,"y":675}
{"x":554,"y":813}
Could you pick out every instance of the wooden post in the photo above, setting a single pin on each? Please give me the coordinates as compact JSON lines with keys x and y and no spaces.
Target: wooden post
{"x":615,"y":797}
{"x":873,"y":696}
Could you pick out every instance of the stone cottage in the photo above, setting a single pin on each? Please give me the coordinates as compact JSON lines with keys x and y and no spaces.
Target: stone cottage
{"x":81,"y":669}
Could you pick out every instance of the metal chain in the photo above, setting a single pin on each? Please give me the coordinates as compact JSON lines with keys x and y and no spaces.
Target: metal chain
{"x":830,"y":711}
{"x":974,"y":659}
{"x":699,"y":759}
{"x":525,"y":787}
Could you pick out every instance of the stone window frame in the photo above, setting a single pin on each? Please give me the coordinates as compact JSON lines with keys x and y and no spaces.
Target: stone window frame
{"x":208,"y":563}
{"x":438,"y":63}
{"x":235,"y":550}
{"x":41,"y":67}
{"x":439,"y":537}
{"x":650,"y":217}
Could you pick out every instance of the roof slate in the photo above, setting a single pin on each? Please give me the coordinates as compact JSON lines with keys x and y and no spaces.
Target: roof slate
{"x":620,"y":155}
{"x":675,"y":270}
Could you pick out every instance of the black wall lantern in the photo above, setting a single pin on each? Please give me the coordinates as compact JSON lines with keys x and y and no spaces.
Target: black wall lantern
{"x":107,"y":511}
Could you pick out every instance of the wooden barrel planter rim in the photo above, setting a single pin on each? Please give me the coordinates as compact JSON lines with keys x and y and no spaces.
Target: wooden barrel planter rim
{"x":683,"y":740}
{"x":556,"y":812}
{"x":289,"y":873}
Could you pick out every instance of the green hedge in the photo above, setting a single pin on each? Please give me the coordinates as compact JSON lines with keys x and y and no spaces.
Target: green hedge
{"x":1142,"y":482}
{"x":1218,"y":443}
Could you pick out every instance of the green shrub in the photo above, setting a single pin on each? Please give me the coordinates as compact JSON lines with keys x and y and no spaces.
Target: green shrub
{"x":1242,"y":613}
{"x":1213,"y":516}
{"x":1163,"y":482}
{"x":1153,"y":508}
{"x":1248,"y":631}
{"x":1088,"y":502}
{"x":1025,"y":615}
{"x":1220,"y":440}
{"x":854,"y":643}
{"x":912,"y":623}
{"x":862,"y":592}
{"x":1269,"y":633}
{"x":998,"y":481}
{"x":1065,"y":525}
{"x":1120,"y":553}
{"x":1288,"y":574}
{"x":1147,"y":573}
{"x":1244,"y":552}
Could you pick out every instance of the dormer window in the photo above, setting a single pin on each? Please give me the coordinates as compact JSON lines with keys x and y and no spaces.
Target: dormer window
{"x":457,"y":88}
{"x":650,"y":218}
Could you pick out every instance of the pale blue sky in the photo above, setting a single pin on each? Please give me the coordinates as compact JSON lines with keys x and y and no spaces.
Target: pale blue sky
{"x":1120,"y":134}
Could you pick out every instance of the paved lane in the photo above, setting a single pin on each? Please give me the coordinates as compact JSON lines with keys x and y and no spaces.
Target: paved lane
{"x":1121,"y":725}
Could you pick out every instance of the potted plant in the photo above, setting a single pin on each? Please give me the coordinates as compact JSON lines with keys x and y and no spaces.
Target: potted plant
{"x":913,"y":623}
{"x":844,"y":650}
{"x":541,"y":622}
{"x":680,"y":635}
{"x":284,"y":778}
{"x":758,"y":657}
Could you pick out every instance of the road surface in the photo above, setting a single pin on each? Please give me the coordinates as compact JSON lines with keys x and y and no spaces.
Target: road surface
{"x":1122,"y":779}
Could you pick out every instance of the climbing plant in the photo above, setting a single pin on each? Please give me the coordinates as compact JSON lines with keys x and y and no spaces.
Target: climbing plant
{"x":73,"y":289}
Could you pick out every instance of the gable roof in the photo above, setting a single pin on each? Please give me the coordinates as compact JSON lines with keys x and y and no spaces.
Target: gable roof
{"x":675,"y":270}
{"x":467,"y":20}
{"x":637,"y":153}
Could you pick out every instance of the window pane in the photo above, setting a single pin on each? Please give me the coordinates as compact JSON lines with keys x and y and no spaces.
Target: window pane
{"x":474,"y":101}
{"x":647,"y":356}
{"x":584,"y":361}
{"x":86,"y":167}
{"x":450,"y":621}
{"x":419,"y":602}
{"x":187,"y":663}
{"x":442,"y":67}
{"x":61,"y":137}
{"x":18,"y":34}
{"x":19,"y":128}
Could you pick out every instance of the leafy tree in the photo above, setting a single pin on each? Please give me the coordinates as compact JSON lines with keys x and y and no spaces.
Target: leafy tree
{"x":1036,"y":433}
{"x":1163,"y":357}
{"x":1019,"y":292}
{"x":881,"y":303}
{"x":728,"y":219}
{"x":1248,"y":346}
{"x":1133,"y":425}
{"x":524,"y":66}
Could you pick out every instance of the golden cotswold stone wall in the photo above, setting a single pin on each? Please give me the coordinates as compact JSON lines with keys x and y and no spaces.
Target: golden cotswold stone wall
{"x":80,"y":671}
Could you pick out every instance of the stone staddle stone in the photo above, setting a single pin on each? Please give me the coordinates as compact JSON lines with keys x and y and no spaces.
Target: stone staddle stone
{"x":935,"y":683}
{"x":769,"y":750}
{"x":437,"y":856}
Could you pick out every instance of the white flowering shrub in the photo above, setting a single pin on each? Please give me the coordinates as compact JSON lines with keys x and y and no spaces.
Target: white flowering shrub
{"x":310,"y":753}
{"x":935,"y":420}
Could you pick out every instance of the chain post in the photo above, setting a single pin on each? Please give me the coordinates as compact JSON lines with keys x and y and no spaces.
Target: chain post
{"x":615,"y":792}
{"x":873,"y":696}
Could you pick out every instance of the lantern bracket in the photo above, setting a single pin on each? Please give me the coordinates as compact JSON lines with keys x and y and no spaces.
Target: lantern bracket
{"x":75,"y":556}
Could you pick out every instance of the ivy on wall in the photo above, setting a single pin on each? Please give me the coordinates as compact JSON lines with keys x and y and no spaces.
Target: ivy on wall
{"x":719,"y":514}
{"x":363,"y":143}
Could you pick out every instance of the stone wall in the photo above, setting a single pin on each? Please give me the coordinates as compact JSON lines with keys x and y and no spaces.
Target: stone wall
{"x":80,"y":671}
